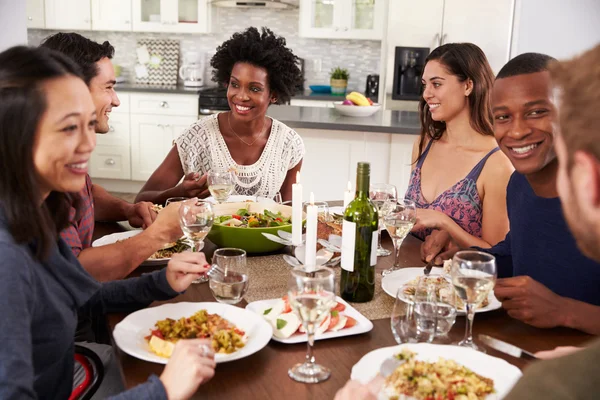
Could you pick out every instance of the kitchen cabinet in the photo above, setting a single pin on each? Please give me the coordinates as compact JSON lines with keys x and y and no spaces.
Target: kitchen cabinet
{"x":342,"y":19}
{"x":152,"y":137}
{"x":431,"y":23}
{"x":35,"y":14}
{"x":190,"y":16}
{"x":68,"y":14}
{"x":401,"y":161}
{"x":311,"y":103}
{"x":111,"y":15}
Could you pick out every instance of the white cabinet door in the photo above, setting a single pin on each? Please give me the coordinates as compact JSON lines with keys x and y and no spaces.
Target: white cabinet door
{"x":111,"y":15}
{"x":364,"y":19}
{"x":190,"y":16}
{"x":322,"y":18}
{"x":35,"y":14}
{"x":111,"y":162}
{"x":400,"y":161}
{"x":68,"y":14}
{"x":118,"y":131}
{"x":488,"y":24}
{"x":151,"y":140}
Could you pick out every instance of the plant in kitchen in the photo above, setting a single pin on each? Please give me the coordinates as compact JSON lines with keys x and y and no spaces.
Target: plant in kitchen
{"x":339,"y":80}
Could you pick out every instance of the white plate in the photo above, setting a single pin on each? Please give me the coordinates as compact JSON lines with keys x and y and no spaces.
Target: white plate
{"x":505,"y":375}
{"x":356,"y":111}
{"x":362,"y":323}
{"x":129,"y":334}
{"x":392,"y":282}
{"x":114,"y":237}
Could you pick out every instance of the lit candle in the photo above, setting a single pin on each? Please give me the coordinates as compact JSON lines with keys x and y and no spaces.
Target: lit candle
{"x":297,"y":212}
{"x":348,"y":195}
{"x":310,"y":258}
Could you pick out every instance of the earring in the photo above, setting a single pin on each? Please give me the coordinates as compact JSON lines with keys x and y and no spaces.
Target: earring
{"x":274,"y":100}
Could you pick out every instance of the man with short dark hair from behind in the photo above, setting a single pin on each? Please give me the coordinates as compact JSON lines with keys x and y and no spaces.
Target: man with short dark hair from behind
{"x":114,"y":261}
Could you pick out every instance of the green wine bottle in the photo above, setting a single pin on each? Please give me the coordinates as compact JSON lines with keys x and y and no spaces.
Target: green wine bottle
{"x":359,"y":242}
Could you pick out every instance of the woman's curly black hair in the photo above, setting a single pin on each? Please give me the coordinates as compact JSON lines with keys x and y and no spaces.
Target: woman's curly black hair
{"x":265,"y":50}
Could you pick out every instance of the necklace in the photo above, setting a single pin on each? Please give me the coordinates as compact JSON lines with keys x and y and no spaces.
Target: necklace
{"x":239,"y":137}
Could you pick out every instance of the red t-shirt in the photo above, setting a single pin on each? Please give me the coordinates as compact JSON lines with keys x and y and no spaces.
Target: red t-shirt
{"x":78,"y":235}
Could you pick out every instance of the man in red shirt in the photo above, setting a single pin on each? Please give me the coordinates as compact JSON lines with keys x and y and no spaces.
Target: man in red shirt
{"x":95,"y":204}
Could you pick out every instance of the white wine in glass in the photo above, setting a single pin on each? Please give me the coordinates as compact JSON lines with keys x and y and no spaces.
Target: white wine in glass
{"x":473,"y":276}
{"x":380,"y":194}
{"x":196,"y":218}
{"x":399,"y":221}
{"x":220,"y":185}
{"x":312,"y":296}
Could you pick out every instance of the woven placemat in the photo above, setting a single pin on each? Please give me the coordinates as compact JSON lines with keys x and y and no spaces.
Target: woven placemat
{"x":268,"y":277}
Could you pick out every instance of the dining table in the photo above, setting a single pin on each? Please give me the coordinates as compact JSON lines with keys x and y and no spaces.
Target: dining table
{"x":264,"y":374}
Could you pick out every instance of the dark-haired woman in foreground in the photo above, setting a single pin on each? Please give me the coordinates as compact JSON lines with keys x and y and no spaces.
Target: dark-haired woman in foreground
{"x":47,"y":134}
{"x":259,"y":70}
{"x":459,"y":177}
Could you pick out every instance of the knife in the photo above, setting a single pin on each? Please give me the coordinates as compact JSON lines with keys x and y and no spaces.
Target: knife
{"x":507,"y":348}
{"x":428,"y":267}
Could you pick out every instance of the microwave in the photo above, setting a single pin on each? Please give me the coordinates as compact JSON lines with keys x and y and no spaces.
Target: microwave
{"x":408,"y":68}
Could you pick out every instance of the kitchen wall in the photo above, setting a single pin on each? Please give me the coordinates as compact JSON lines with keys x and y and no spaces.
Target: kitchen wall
{"x":360,"y":57}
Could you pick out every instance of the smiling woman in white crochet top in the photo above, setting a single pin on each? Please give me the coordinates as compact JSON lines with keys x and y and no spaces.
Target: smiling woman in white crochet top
{"x":265,"y":154}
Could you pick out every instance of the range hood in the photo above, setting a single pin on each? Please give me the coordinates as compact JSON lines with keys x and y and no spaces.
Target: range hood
{"x":278,"y":4}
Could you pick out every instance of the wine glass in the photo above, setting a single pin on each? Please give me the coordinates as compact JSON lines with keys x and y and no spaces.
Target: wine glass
{"x":196,"y":217}
{"x":403,"y":321}
{"x":399,"y":220}
{"x":228,"y":281}
{"x":312,"y":296}
{"x":379,"y":193}
{"x":435,"y":306}
{"x":174,"y":200}
{"x":220,"y":184}
{"x":473,"y":276}
{"x":322,"y":210}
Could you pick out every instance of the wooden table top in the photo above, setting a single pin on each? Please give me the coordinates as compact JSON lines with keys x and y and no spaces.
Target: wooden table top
{"x":263,"y":375}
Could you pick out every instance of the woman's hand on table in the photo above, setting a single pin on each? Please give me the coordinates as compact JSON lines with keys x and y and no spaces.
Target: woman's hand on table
{"x":183,"y":268}
{"x":191,"y":364}
{"x":194,"y":185}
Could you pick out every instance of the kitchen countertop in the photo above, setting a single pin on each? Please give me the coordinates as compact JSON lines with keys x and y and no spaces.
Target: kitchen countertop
{"x":384,"y":121}
{"x":180,"y":89}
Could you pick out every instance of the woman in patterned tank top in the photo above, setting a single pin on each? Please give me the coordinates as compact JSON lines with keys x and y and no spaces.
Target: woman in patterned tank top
{"x":258,"y":70}
{"x":459,"y":179}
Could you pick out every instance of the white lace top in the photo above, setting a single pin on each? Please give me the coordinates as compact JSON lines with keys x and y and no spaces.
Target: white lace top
{"x":201,"y":148}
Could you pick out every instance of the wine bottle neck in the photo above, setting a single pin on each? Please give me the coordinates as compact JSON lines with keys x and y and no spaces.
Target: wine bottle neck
{"x":362,"y":185}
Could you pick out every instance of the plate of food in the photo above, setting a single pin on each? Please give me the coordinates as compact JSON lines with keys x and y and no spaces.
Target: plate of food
{"x":150,"y":334}
{"x":242,"y":224}
{"x":160,"y":257}
{"x":343,"y":320}
{"x":410,"y":277}
{"x":432,"y":371}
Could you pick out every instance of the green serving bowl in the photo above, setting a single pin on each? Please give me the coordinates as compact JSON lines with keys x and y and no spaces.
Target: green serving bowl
{"x":249,"y":239}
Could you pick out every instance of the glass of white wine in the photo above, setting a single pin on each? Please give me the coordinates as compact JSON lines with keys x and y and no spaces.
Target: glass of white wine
{"x":196,"y":217}
{"x":380,"y":193}
{"x":312,"y":296}
{"x":228,"y":282}
{"x":399,"y":221}
{"x":220,"y":184}
{"x":473,"y":276}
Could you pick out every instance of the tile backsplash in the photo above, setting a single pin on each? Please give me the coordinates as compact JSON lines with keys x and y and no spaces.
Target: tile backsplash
{"x":360,"y":57}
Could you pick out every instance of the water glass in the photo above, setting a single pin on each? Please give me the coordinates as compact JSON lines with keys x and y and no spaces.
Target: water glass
{"x":403,"y":319}
{"x":435,"y":306}
{"x":312,"y":296}
{"x":399,"y":221}
{"x":380,"y":193}
{"x":228,"y":279}
{"x":473,"y":276}
{"x":220,"y":184}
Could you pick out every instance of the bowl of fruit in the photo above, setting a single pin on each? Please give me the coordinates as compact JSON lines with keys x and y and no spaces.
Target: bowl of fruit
{"x":356,"y":105}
